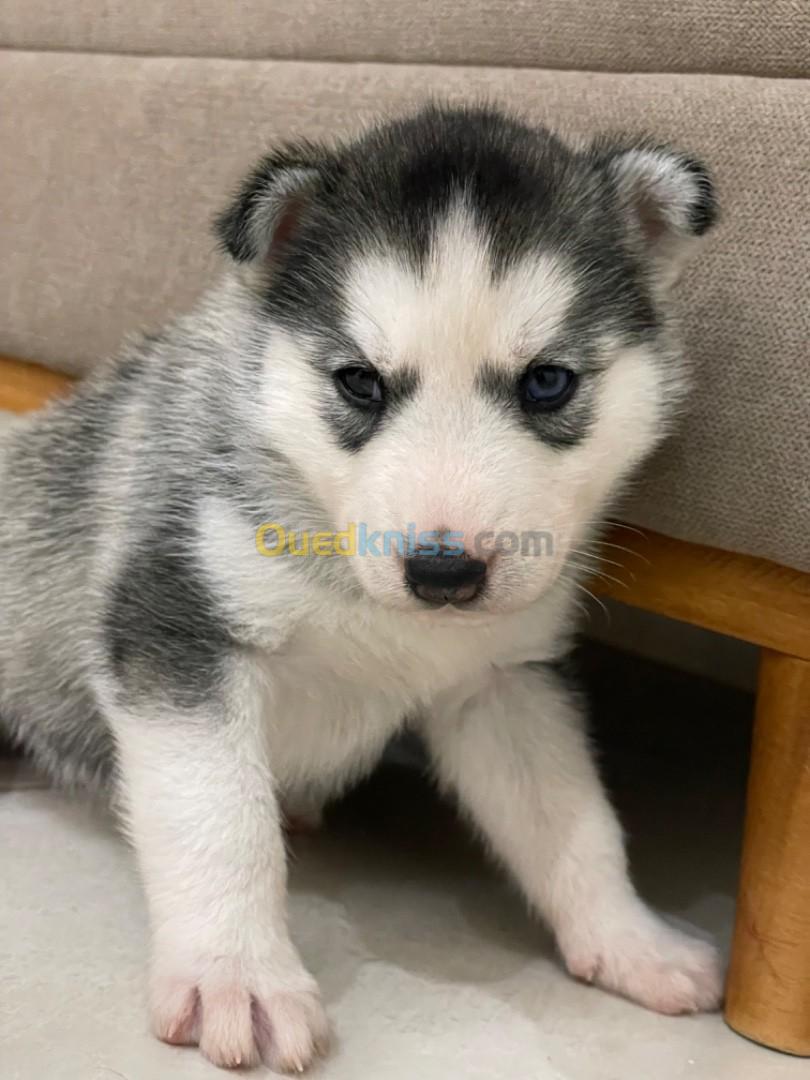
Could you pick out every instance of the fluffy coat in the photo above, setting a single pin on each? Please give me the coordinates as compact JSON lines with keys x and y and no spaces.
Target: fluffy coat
{"x":382,"y":351}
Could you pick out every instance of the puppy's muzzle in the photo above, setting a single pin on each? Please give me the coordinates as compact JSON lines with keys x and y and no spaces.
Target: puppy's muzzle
{"x":449,"y":578}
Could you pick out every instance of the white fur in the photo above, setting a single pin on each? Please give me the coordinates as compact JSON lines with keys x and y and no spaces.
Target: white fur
{"x":455,"y":460}
{"x":331,"y":664}
{"x":660,"y":195}
{"x":224,"y":973}
{"x":455,"y":315}
{"x":336,"y":672}
{"x":516,"y":754}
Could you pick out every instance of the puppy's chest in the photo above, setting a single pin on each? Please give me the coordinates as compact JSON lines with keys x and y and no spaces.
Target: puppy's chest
{"x":340,"y":690}
{"x":404,"y":662}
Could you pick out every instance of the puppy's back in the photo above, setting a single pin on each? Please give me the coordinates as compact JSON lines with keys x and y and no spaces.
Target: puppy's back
{"x":57,"y":539}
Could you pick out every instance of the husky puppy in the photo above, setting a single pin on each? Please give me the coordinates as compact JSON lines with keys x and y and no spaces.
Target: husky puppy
{"x":454,"y":329}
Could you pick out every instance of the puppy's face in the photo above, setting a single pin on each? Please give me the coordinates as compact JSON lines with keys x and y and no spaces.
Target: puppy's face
{"x":469,"y":341}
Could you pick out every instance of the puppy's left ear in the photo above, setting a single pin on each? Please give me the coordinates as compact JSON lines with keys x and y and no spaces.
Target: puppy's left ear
{"x":669,"y":199}
{"x":270,"y":203}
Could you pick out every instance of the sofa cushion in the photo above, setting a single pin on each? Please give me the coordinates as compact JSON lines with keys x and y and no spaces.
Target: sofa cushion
{"x":760,"y":37}
{"x":114,"y":165}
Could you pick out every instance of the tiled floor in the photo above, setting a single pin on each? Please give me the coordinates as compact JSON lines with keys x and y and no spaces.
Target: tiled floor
{"x":430,"y":967}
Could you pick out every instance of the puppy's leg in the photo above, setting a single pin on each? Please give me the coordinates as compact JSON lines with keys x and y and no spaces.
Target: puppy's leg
{"x":517,"y":756}
{"x":197,"y":796}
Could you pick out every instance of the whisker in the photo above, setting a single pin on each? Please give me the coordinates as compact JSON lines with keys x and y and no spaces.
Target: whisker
{"x":607,"y":522}
{"x":595,"y":573}
{"x":629,"y":528}
{"x":583,"y":607}
{"x":594,"y":598}
{"x":619,"y":547}
{"x":599,"y":558}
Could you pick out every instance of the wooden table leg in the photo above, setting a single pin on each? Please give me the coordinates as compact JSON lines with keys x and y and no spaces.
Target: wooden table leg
{"x":768,"y":993}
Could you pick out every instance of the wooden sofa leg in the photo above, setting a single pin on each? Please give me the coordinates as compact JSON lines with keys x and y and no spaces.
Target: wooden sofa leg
{"x":768,"y":992}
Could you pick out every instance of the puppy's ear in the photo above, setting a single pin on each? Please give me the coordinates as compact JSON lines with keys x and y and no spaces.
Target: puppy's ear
{"x":270,"y":202}
{"x":668,"y":197}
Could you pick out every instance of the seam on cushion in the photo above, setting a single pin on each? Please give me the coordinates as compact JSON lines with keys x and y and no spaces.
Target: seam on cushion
{"x":158,"y":57}
{"x":383,"y":61}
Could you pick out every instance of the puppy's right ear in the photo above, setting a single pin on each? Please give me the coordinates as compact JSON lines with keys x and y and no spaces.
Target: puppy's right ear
{"x":270,"y":202}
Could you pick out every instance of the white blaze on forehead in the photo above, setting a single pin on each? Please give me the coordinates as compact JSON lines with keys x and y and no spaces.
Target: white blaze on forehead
{"x":456,"y":315}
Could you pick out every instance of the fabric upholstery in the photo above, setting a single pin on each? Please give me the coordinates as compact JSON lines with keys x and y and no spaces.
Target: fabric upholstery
{"x":759,"y":37}
{"x":114,"y":164}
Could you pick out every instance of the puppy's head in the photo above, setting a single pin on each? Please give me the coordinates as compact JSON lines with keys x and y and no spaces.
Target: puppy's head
{"x":470,"y":339}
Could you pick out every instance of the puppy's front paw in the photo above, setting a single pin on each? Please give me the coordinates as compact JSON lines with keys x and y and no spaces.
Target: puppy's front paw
{"x":241,"y":1014}
{"x":651,"y":963}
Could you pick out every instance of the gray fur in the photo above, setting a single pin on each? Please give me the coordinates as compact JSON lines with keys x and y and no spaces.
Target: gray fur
{"x":99,"y":495}
{"x":101,"y":578}
{"x":456,"y":323}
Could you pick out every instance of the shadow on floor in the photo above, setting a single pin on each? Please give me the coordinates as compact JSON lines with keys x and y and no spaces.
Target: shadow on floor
{"x":673,"y":751}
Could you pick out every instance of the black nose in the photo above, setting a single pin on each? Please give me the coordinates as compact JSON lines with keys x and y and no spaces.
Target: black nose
{"x":445,"y":579}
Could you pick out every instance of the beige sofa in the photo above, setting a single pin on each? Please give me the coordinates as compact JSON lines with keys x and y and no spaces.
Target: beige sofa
{"x":125,"y":123}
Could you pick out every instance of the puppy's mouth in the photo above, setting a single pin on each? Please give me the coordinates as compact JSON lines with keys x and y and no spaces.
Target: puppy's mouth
{"x":462,"y":616}
{"x":436,"y":596}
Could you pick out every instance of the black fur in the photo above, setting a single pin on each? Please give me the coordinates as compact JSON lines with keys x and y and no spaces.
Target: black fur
{"x":703,"y":214}
{"x":163,"y":625}
{"x":352,"y":426}
{"x":529,"y":190}
{"x":561,"y":429}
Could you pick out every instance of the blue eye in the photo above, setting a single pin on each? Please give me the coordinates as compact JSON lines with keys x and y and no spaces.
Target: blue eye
{"x":546,"y":387}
